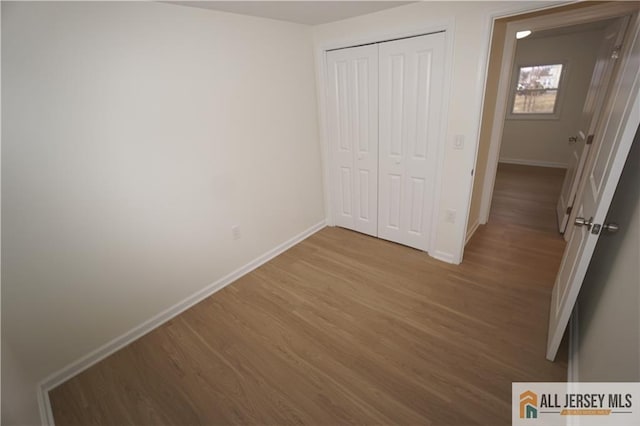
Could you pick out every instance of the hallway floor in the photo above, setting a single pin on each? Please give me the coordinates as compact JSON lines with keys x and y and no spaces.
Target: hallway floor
{"x":527,"y":196}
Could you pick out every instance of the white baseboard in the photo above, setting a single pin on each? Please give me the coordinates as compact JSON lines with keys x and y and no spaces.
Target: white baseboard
{"x":44,"y":405}
{"x":114,"y":345}
{"x":445,"y":257}
{"x":572,"y":367}
{"x":533,"y":163}
{"x":472,"y":231}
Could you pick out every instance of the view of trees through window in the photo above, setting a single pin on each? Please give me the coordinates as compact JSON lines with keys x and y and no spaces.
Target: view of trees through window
{"x":537,"y":89}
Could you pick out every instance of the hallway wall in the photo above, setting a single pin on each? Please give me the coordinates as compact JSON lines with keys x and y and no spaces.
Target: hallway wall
{"x":544,"y":142}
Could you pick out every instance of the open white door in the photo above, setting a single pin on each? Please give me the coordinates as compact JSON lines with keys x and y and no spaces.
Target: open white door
{"x":600,"y":80}
{"x":352,"y":111}
{"x":614,"y":134}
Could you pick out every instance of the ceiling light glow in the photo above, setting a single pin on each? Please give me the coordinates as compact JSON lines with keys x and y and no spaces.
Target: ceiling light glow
{"x":523,"y":34}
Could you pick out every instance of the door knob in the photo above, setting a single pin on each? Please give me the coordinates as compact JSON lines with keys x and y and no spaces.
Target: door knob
{"x":611,"y":227}
{"x":580,"y":221}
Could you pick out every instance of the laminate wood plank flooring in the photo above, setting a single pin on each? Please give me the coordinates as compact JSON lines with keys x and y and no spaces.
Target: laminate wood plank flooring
{"x":527,"y":196}
{"x":345,"y":329}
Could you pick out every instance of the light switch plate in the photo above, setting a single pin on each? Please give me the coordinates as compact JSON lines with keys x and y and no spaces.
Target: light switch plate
{"x":458,"y":142}
{"x":450,"y":216}
{"x":235,"y":231}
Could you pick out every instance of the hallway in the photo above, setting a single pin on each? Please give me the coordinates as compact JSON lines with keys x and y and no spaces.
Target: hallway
{"x":526,"y":196}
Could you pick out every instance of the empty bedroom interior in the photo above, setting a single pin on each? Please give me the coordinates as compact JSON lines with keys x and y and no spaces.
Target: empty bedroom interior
{"x":272,"y":213}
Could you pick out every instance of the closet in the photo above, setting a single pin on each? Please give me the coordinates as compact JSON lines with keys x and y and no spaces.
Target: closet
{"x":384,"y":122}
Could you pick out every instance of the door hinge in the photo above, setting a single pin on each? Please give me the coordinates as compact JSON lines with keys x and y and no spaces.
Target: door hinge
{"x":472,"y":172}
{"x":569,"y":209}
{"x":615,"y":53}
{"x":589,"y":140}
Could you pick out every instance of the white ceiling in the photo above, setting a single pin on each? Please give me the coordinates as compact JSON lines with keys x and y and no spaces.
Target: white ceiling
{"x":301,"y":12}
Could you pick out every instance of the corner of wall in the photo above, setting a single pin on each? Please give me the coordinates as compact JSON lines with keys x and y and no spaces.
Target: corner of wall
{"x":79,"y":365}
{"x":44,"y":405}
{"x":19,"y":401}
{"x":472,"y":230}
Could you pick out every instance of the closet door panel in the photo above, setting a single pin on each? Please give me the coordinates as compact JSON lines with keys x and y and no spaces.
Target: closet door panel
{"x":411,"y":78}
{"x":353,"y":136}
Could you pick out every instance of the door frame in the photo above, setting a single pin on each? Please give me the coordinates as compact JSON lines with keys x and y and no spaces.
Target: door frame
{"x":553,"y":20}
{"x":320,"y":52}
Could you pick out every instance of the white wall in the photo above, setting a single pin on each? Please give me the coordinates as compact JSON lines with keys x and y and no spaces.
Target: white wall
{"x":609,"y":301}
{"x":470,"y":26}
{"x":19,"y":405}
{"x":134,"y":136}
{"x":545,"y":142}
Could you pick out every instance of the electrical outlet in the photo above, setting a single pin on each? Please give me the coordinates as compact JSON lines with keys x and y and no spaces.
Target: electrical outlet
{"x":450,"y":216}
{"x":235,"y":231}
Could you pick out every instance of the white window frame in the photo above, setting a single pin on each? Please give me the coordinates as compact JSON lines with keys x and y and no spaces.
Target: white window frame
{"x":555,"y":115}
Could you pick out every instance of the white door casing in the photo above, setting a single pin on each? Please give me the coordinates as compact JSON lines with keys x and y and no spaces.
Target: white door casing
{"x":585,"y":15}
{"x":411,"y":83}
{"x":600,"y":81}
{"x":613,"y":136}
{"x":352,"y":76}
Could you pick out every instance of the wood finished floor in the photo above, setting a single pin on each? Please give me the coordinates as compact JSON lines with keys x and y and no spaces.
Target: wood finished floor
{"x":344,"y":329}
{"x":527,"y":196}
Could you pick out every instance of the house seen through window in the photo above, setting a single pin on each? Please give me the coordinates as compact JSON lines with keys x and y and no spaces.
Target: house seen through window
{"x":537,"y":89}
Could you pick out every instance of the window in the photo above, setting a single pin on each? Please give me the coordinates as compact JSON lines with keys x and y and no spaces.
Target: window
{"x":536,"y":91}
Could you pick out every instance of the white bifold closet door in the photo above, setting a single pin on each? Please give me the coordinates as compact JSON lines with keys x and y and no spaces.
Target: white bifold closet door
{"x":411,"y":80}
{"x":353,"y":135}
{"x":384,"y":115}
